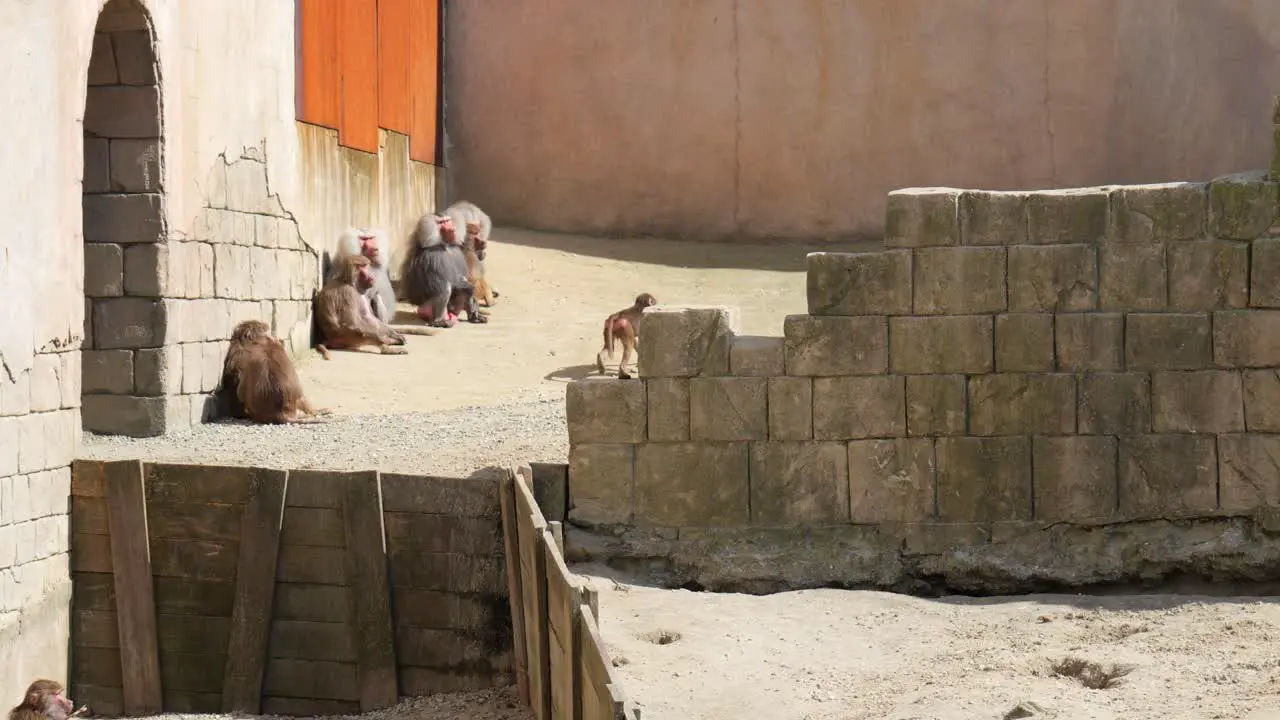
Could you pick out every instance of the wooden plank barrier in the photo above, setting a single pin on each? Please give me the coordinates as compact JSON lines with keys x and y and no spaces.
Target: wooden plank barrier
{"x":510,"y":544}
{"x":371,"y":609}
{"x":531,"y":532}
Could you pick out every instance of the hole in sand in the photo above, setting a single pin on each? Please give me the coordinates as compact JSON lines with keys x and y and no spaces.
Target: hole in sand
{"x":1091,"y":674}
{"x":660,"y":637}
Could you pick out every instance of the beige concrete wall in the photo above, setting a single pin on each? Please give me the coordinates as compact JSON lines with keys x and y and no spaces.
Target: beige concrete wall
{"x":732,"y":118}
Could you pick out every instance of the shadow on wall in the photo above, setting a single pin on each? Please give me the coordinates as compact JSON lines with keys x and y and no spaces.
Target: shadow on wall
{"x":683,"y":253}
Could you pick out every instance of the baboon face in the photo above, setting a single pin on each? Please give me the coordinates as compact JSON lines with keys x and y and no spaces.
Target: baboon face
{"x":369,"y":245}
{"x":448,"y":232}
{"x":646,"y":300}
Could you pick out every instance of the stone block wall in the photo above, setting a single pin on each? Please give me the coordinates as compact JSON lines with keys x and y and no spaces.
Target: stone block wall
{"x":1010,"y":362}
{"x":1275,"y":152}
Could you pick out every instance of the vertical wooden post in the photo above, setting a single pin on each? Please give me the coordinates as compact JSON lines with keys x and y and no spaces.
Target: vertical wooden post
{"x":510,"y":541}
{"x":255,"y":592}
{"x":591,"y":598}
{"x":135,"y":597}
{"x":557,"y":534}
{"x":366,"y":559}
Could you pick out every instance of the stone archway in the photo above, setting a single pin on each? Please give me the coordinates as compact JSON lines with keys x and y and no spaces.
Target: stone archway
{"x":125,"y":250}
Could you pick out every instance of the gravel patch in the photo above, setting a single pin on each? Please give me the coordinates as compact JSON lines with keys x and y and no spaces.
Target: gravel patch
{"x":450,"y":443}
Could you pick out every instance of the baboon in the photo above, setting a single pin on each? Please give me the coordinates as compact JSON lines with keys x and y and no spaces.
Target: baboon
{"x":465,"y":214}
{"x":625,"y":326}
{"x":371,"y":243}
{"x":345,"y":317}
{"x":44,"y":700}
{"x":265,"y":383}
{"x":473,"y":249}
{"x":434,"y":274}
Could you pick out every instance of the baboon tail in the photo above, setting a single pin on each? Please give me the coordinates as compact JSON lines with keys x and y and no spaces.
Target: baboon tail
{"x":608,"y":338}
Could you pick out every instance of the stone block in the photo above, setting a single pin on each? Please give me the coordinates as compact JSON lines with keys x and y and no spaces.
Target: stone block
{"x":1053,"y":278}
{"x":123,"y":219}
{"x":1243,"y":206}
{"x":1089,"y":341}
{"x":1246,"y":338}
{"x":891,"y":481}
{"x":1074,"y":478}
{"x":135,"y":166}
{"x":692,"y":484}
{"x":129,"y":323}
{"x":266,"y":231}
{"x":790,"y":408}
{"x":922,"y":217}
{"x":1160,"y":212}
{"x":1168,"y":475}
{"x":146,"y":270}
{"x":936,"y":405}
{"x":601,"y":484}
{"x":1022,"y":404}
{"x":854,"y":408}
{"x":103,"y":270}
{"x":215,"y":185}
{"x":1262,"y":400}
{"x":247,"y":187}
{"x":941,"y":345}
{"x":97,"y":165}
{"x":754,"y":356}
{"x":102,"y":61}
{"x":728,"y":409}
{"x":1265,"y":274}
{"x":984,"y":479}
{"x":835,"y":345}
{"x":959,"y":280}
{"x":799,"y":483}
{"x":157,"y":371}
{"x":606,"y":411}
{"x":10,"y":441}
{"x":1168,"y":342}
{"x":46,"y":382}
{"x":872,"y":283}
{"x":1132,"y":277}
{"x":88,"y":341}
{"x":135,"y":57}
{"x":1206,"y":401}
{"x":1248,"y":472}
{"x":1208,"y":275}
{"x":15,"y":397}
{"x":993,"y":218}
{"x":265,"y":276}
{"x":205,"y":261}
{"x":212,"y":355}
{"x":1024,"y":342}
{"x":1062,"y":217}
{"x":119,"y":111}
{"x":71,"y":378}
{"x":668,"y":409}
{"x":686,"y":342}
{"x":1115,"y":404}
{"x":192,"y":367}
{"x":123,"y":415}
{"x":232,"y":271}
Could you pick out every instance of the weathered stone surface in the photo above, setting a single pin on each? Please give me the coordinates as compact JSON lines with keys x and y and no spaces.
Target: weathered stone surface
{"x":853,"y":408}
{"x":46,"y":382}
{"x":1115,"y":404}
{"x":790,"y":408}
{"x":922,"y":217}
{"x":754,"y":356}
{"x":941,"y":345}
{"x":1249,"y":471}
{"x":993,"y":218}
{"x":247,"y":187}
{"x":107,"y":371}
{"x":892,"y":480}
{"x":192,"y":367}
{"x":668,"y":400}
{"x":1024,"y":343}
{"x":1246,"y":338}
{"x":1022,"y":403}
{"x":1090,"y":341}
{"x":686,"y":342}
{"x":135,"y":166}
{"x":1206,"y":401}
{"x":122,"y":111}
{"x":1168,"y":342}
{"x":1075,"y":215}
{"x":872,"y":283}
{"x":1243,"y":206}
{"x":1262,"y":400}
{"x":146,"y":270}
{"x":1264,"y":286}
{"x":1208,"y":275}
{"x":128,"y":323}
{"x":232,"y":271}
{"x":72,"y":382}
{"x":1132,"y":277}
{"x":729,"y":408}
{"x":959,"y":280}
{"x":835,"y":345}
{"x":135,"y":57}
{"x":606,"y":411}
{"x":15,"y":397}
{"x":208,"y":287}
{"x":1074,"y":477}
{"x":938,"y":538}
{"x":123,"y":415}
{"x":936,"y":405}
{"x":799,"y":483}
{"x":158,"y":371}
{"x":1168,"y":475}
{"x":692,"y":484}
{"x":984,"y":479}
{"x":266,"y":231}
{"x":1275,"y":153}
{"x":1156,"y":213}
{"x":103,"y":270}
{"x":97,"y":165}
{"x":601,"y":483}
{"x":123,"y":219}
{"x":212,"y":354}
{"x":1053,"y":278}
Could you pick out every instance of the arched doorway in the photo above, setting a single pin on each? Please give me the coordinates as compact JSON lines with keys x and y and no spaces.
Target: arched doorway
{"x":124,"y":364}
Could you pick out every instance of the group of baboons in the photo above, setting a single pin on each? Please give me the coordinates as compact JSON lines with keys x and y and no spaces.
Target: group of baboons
{"x":442,"y":276}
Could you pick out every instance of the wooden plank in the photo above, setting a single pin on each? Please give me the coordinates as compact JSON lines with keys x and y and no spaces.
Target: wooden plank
{"x":308,"y":707}
{"x":195,"y":521}
{"x":318,"y":71}
{"x":94,"y":591}
{"x":174,"y":633}
{"x":89,"y":515}
{"x":313,"y":603}
{"x":557,"y":534}
{"x":358,"y":53}
{"x":310,"y":564}
{"x":562,"y":618}
{"x":316,"y":679}
{"x":430,"y":648}
{"x":429,"y":532}
{"x":596,"y":670}
{"x":255,"y":593}
{"x":181,"y":596}
{"x":315,"y":488}
{"x":449,"y":572}
{"x":135,"y":599}
{"x":427,"y":681}
{"x":532,"y":530}
{"x":321,"y":527}
{"x":192,"y":672}
{"x":312,"y":641}
{"x":207,"y":560}
{"x":446,"y":610}
{"x":178,"y":701}
{"x":424,"y":80}
{"x":177,"y":483}
{"x":394,"y":102}
{"x":99,"y":667}
{"x":371,"y":622}
{"x":591,"y":598}
{"x":105,"y":701}
{"x":456,"y":497}
{"x":88,"y":479}
{"x":511,"y":545}
{"x":91,"y":554}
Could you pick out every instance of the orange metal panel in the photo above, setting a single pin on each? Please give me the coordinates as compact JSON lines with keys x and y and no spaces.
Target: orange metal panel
{"x":395,"y":107}
{"x":424,"y":81}
{"x":319,"y":101}
{"x":359,"y":58}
